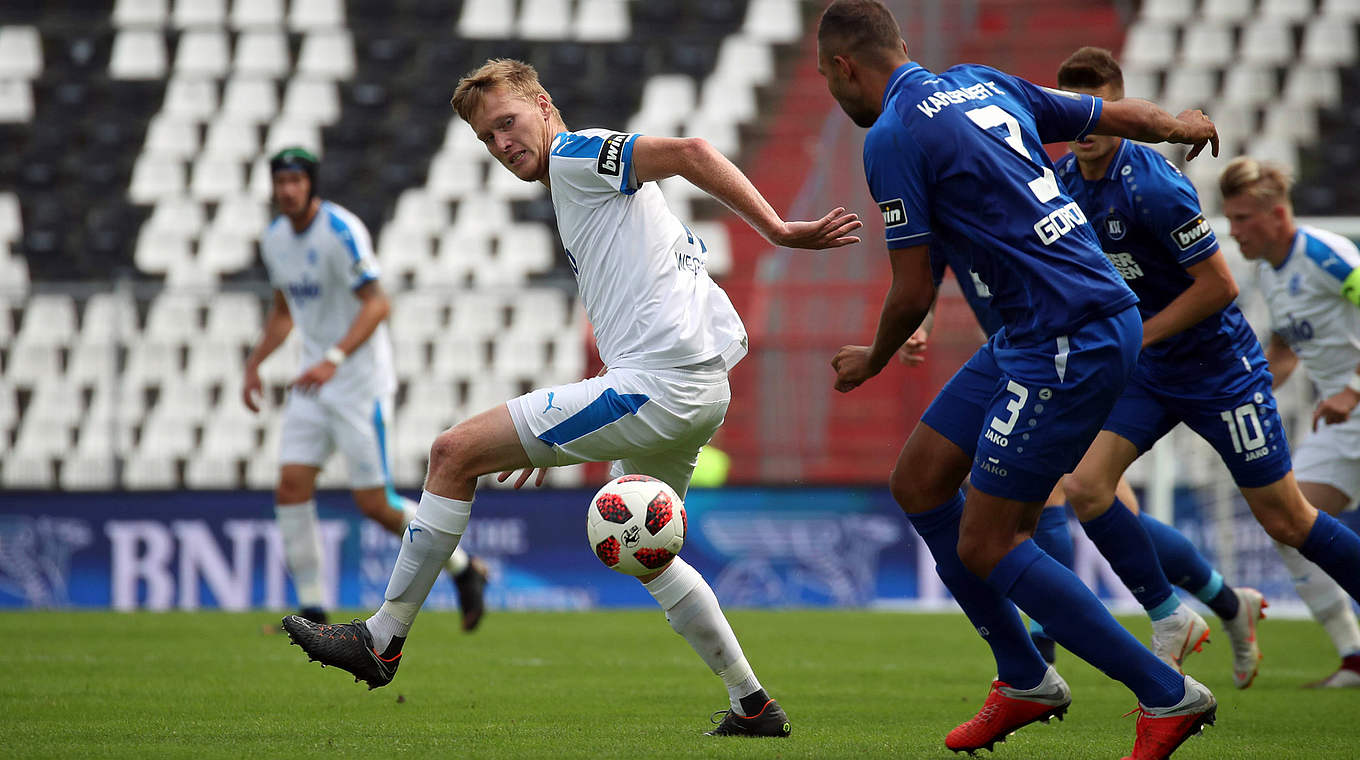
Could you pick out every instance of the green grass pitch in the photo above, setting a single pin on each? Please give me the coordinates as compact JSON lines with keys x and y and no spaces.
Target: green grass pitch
{"x":600,"y":685}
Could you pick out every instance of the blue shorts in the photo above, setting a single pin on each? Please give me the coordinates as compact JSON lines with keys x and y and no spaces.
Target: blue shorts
{"x":1233,"y":409}
{"x":1027,"y":414}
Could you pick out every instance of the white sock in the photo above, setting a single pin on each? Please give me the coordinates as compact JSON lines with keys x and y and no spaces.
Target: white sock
{"x":693,"y":612}
{"x":429,"y":539}
{"x":301,"y":533}
{"x":1329,"y":603}
{"x":458,"y":561}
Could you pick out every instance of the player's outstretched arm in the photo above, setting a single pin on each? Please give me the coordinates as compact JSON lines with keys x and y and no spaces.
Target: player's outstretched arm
{"x":277,"y":325}
{"x":699,"y":162}
{"x":1141,"y":120}
{"x":909,"y":300}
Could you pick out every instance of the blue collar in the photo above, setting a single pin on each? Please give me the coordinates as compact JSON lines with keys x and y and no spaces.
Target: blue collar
{"x":895,"y":81}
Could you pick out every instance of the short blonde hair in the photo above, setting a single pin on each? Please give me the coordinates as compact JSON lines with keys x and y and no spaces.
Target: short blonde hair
{"x":1262,"y":180}
{"x":516,"y":77}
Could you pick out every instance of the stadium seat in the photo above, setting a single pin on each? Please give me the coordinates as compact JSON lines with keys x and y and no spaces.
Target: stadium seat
{"x":174,"y":316}
{"x":6,"y":322}
{"x":260,"y":186}
{"x":744,"y":59}
{"x":773,"y":20}
{"x":1298,"y":125}
{"x":286,"y":133}
{"x":141,"y":13}
{"x":169,"y":136}
{"x":1306,"y":85}
{"x":1266,"y":42}
{"x":216,"y":178}
{"x":57,"y":403}
{"x":1340,"y":10}
{"x":601,"y":21}
{"x":433,"y":396}
{"x":223,"y":250}
{"x":241,"y":215}
{"x":327,"y":54}
{"x":404,"y":252}
{"x":262,"y":53}
{"x":1281,"y":150}
{"x":14,"y":273}
{"x":41,"y":438}
{"x":233,"y":137}
{"x":309,"y":15}
{"x":206,"y":471}
{"x":20,"y":53}
{"x":262,"y":469}
{"x":152,"y":363}
{"x":202,"y":53}
{"x":157,"y":250}
{"x":150,"y":471}
{"x":16,"y":101}
{"x":452,"y":177}
{"x":93,"y":364}
{"x":185,"y":401}
{"x":89,"y":472}
{"x":486,"y":19}
{"x":199,"y":14}
{"x":138,"y":54}
{"x":1248,"y":85}
{"x":108,"y":319}
{"x":409,"y":357}
{"x":234,"y":317}
{"x":520,"y":355}
{"x":166,"y":434}
{"x":718,"y":130}
{"x":11,"y":221}
{"x":1207,"y":44}
{"x":30,"y":364}
{"x":526,"y":248}
{"x":543,"y":19}
{"x":459,"y":257}
{"x":1227,"y":10}
{"x":1189,"y":87}
{"x":9,"y":411}
{"x":478,"y":314}
{"x":24,"y":470}
{"x":257,"y":14}
{"x":666,"y":100}
{"x":418,"y":210}
{"x":154,"y":178}
{"x":114,"y":409}
{"x":419,"y":314}
{"x":190,"y":98}
{"x":311,"y":101}
{"x":1285,"y":10}
{"x":1167,"y":10}
{"x":1328,"y":43}
{"x":49,"y":320}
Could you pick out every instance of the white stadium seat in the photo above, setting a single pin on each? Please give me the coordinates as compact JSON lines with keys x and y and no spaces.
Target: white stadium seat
{"x":773,"y":20}
{"x":1167,"y":10}
{"x":1298,"y":125}
{"x":185,"y":401}
{"x":202,"y":53}
{"x":1189,"y":87}
{"x":459,"y":257}
{"x":89,"y":472}
{"x":327,"y":54}
{"x":248,"y":101}
{"x":1329,"y":43}
{"x":526,"y":248}
{"x":199,"y":14}
{"x":1307,"y":85}
{"x":154,"y":178}
{"x":306,"y":15}
{"x":235,"y":317}
{"x":745,"y":59}
{"x":601,"y":21}
{"x":419,"y":314}
{"x":1285,"y":10}
{"x":1248,"y":85}
{"x":241,"y":215}
{"x":452,"y":177}
{"x":311,"y":101}
{"x":286,"y":133}
{"x":418,"y":210}
{"x":262,"y":53}
{"x":16,"y":101}
{"x":166,"y":434}
{"x":40,"y":437}
{"x":9,"y":409}
{"x":1341,"y":10}
{"x":486,"y":19}
{"x":30,"y":364}
{"x":109,"y":318}
{"x":1207,"y":45}
{"x":481,"y":214}
{"x":1266,"y":42}
{"x":6,"y":322}
{"x":543,"y":19}
{"x":1149,"y":44}
{"x":24,"y":470}
{"x":56,"y":403}
{"x":431,"y":396}
{"x":141,"y":13}
{"x":158,"y":250}
{"x":231,"y":434}
{"x":459,"y":354}
{"x":1227,"y":10}
{"x":409,"y":357}
{"x":174,"y":316}
{"x":477,"y":313}
{"x":507,"y":186}
{"x":11,"y":222}
{"x":222,"y":251}
{"x":170,"y":136}
{"x":190,"y":98}
{"x":205,"y":471}
{"x":152,"y":363}
{"x":403,"y":251}
{"x":20,"y":52}
{"x":49,"y":320}
{"x":232,"y":139}
{"x":257,"y":14}
{"x":150,"y":471}
{"x":138,"y":54}
{"x":216,"y":179}
{"x":93,"y":364}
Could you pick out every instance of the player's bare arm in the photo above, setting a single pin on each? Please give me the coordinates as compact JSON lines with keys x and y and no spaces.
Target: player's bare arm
{"x":909,"y":300}
{"x":1282,"y":360}
{"x":913,"y":352}
{"x":374,"y":309}
{"x":1211,"y":292}
{"x":1142,"y":120}
{"x":699,"y":162}
{"x":277,"y":325}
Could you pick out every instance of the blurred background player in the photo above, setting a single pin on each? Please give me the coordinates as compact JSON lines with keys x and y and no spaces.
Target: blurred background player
{"x":320,"y":262}
{"x":1311,"y":282}
{"x":666,"y":332}
{"x":1200,"y":364}
{"x":1046,"y":381}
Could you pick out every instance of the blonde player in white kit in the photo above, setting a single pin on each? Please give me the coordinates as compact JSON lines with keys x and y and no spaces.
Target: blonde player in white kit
{"x":666,"y":332}
{"x":325,"y":278}
{"x":1311,"y":282}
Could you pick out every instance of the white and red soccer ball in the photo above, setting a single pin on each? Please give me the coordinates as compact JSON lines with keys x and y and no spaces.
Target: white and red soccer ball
{"x":636,"y":524}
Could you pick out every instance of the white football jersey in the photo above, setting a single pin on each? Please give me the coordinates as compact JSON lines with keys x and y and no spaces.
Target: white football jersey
{"x":1308,"y":310}
{"x":642,"y":274}
{"x":318,"y":271}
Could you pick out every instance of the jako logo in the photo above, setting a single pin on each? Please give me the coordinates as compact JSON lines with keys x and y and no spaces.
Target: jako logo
{"x":894,"y":212}
{"x":610,"y":153}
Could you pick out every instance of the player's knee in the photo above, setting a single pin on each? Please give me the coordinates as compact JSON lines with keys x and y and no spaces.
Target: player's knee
{"x":292,"y":490}
{"x":913,"y":495}
{"x":979,"y":554}
{"x":372,"y":509}
{"x":1087,"y":496}
{"x":1289,"y":527}
{"x":450,"y":455}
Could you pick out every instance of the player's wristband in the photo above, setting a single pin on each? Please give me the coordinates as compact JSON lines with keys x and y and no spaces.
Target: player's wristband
{"x":1354,"y":383}
{"x":334,"y":355}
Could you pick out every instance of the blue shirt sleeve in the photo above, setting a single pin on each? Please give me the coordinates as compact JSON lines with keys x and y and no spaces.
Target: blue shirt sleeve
{"x":1170,"y":206}
{"x":1060,"y":116}
{"x":898,"y":179}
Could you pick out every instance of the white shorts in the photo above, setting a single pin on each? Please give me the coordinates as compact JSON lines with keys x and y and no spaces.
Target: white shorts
{"x":1331,"y":455}
{"x":314,"y":428}
{"x":651,"y":422}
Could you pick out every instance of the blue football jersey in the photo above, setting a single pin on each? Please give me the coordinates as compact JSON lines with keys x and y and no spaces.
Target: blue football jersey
{"x":977,"y":294}
{"x":956,"y":160}
{"x":1148,"y":218}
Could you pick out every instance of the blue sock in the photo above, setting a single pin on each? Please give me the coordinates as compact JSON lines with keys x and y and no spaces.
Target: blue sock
{"x":1335,"y":549}
{"x":1184,"y":566}
{"x":1075,"y":618}
{"x":1053,"y":536}
{"x":1120,"y":537}
{"x":1017,"y":661}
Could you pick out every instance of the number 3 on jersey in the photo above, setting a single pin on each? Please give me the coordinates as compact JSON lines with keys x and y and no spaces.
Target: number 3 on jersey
{"x":1045,"y":186}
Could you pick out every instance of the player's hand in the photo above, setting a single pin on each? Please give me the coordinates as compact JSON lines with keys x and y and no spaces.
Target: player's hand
{"x":1197,"y":131}
{"x":1336,"y":408}
{"x":524,"y":476}
{"x":316,"y":376}
{"x":831,"y":231}
{"x":252,"y":390}
{"x":912,"y":353}
{"x":852,"y":367}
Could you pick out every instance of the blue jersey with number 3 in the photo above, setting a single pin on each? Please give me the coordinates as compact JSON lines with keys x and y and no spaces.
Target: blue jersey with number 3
{"x":957,"y":160}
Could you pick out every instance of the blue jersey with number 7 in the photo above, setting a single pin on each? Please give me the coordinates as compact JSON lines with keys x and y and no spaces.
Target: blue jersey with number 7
{"x":956,"y":160}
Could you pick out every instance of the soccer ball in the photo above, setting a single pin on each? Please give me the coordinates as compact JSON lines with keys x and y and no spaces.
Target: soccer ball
{"x":636,"y":524}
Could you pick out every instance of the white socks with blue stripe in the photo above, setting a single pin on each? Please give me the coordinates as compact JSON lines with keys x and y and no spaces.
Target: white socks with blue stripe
{"x":458,"y":561}
{"x":301,"y":534}
{"x":693,"y":612}
{"x":426,"y":545}
{"x":1329,"y":603}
